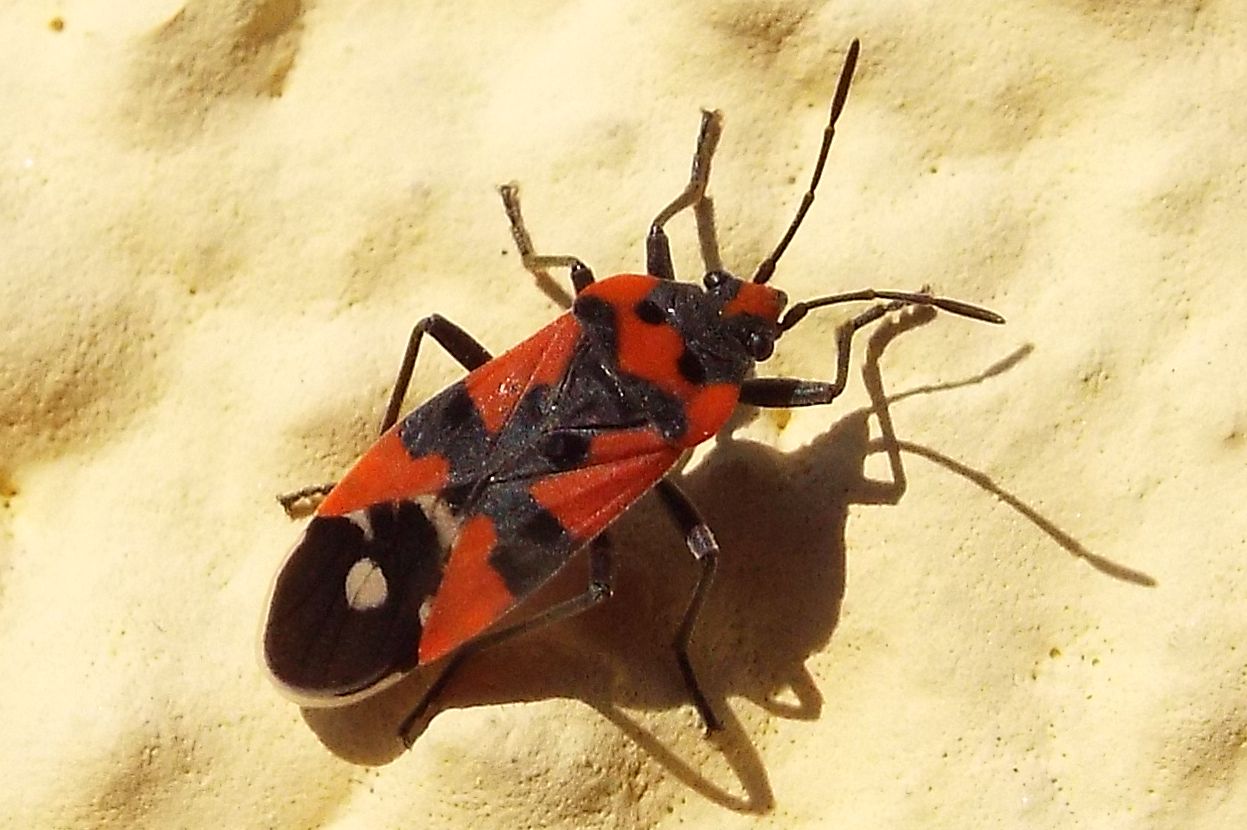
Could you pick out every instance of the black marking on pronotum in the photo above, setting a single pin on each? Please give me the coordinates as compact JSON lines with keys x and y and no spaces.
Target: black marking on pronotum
{"x":598,"y":316}
{"x":634,"y":395}
{"x":691,"y":367}
{"x":650,"y":312}
{"x":712,"y":344}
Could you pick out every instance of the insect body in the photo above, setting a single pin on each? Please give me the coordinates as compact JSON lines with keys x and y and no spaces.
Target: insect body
{"x":467,"y":505}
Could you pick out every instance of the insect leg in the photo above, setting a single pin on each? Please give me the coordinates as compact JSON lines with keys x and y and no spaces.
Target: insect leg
{"x":701,"y":543}
{"x":601,"y":576}
{"x":537,"y":264}
{"x":461,"y":346}
{"x":289,"y":500}
{"x":767,"y":266}
{"x":657,"y":247}
{"x":457,"y":342}
{"x":787,"y":392}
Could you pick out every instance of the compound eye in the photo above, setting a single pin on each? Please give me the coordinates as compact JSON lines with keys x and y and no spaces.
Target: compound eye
{"x":760,"y":345}
{"x":714,"y":279}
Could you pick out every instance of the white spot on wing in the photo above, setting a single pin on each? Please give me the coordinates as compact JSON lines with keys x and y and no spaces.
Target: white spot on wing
{"x":360,"y":519}
{"x":426,"y":608}
{"x":366,"y":587}
{"x":444,"y":521}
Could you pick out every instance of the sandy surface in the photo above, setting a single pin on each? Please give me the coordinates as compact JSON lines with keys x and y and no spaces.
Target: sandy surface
{"x":218,"y":221}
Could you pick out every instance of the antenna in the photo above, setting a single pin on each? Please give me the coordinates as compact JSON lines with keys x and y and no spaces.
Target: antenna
{"x":767,"y":266}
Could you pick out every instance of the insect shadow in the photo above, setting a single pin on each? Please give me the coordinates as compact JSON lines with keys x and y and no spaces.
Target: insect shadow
{"x":775,"y":602}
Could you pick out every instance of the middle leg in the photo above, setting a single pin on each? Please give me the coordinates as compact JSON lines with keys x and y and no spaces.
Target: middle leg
{"x":462,"y":346}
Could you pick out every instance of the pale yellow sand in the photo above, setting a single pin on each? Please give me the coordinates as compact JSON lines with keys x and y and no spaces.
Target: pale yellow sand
{"x":218,"y":221}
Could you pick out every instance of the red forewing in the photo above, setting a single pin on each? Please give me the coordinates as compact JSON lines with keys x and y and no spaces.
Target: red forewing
{"x":346,"y":613}
{"x":536,"y":525}
{"x":466,"y":507}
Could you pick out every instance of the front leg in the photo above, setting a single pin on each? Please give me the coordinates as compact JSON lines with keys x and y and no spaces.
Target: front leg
{"x":788,"y":392}
{"x":657,"y":246}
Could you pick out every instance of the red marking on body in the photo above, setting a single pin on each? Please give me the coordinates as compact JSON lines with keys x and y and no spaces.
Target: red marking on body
{"x":472,"y":595}
{"x":642,"y":349}
{"x":497,"y":386}
{"x":587,"y":499}
{"x":653,"y":351}
{"x":758,"y":300}
{"x":385,"y":473}
{"x":707,"y":410}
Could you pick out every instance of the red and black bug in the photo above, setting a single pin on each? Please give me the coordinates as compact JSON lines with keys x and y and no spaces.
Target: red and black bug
{"x":467,"y":505}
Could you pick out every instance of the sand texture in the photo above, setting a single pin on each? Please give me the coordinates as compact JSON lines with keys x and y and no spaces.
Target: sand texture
{"x":1000,"y":583}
